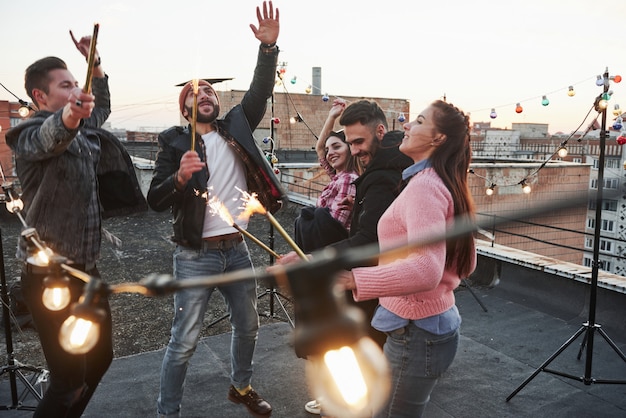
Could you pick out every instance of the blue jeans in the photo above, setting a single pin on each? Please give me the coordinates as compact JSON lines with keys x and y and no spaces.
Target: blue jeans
{"x":190,"y":306}
{"x":417,"y":359}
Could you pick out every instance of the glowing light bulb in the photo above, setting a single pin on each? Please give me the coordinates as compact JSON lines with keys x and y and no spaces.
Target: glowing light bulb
{"x":490,"y":190}
{"x":401,"y":118}
{"x":599,"y":81}
{"x":525,"y":187}
{"x":56,"y":298}
{"x":325,"y":97}
{"x":23,"y":111}
{"x":518,"y":108}
{"x":493,"y":114}
{"x":570,"y":91}
{"x":545,"y":101}
{"x":603,"y":103}
{"x":294,"y":80}
{"x":353,"y":380}
{"x":79,"y":335}
{"x":617,"y":125}
{"x":308,"y":90}
{"x":562,"y":152}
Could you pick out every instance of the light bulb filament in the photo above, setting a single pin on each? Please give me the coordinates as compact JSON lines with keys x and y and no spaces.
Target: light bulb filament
{"x":347,"y":375}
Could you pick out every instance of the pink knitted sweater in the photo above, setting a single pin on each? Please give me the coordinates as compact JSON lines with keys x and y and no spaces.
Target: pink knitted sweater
{"x":415,"y":284}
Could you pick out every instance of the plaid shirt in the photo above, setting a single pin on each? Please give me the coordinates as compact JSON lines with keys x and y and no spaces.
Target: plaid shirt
{"x":336,"y":190}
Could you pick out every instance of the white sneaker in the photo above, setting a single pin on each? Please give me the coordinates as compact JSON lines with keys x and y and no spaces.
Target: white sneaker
{"x":313,"y":407}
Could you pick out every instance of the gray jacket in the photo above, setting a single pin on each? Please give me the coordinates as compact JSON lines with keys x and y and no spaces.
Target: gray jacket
{"x":58,"y":169}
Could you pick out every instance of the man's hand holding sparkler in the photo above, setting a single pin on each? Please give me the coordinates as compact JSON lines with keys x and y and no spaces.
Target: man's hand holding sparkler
{"x":83,"y":46}
{"x":189,"y":164}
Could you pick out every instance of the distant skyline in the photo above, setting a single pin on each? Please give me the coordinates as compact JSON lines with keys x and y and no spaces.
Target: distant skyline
{"x":480,"y":55}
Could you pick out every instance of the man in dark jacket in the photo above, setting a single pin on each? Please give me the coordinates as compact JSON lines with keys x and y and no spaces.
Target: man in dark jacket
{"x":223,"y":160}
{"x":69,"y":169}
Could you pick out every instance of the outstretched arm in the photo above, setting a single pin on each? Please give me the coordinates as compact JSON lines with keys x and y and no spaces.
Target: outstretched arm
{"x":269,"y":26}
{"x":335,"y":111}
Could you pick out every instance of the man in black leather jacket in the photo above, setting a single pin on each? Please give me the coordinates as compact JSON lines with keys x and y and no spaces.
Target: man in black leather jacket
{"x":223,"y":160}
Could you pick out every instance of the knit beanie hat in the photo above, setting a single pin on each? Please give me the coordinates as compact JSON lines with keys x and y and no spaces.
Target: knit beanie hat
{"x":186,"y":88}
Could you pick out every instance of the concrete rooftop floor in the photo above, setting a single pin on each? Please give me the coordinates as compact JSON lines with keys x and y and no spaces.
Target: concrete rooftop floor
{"x":500,"y":348}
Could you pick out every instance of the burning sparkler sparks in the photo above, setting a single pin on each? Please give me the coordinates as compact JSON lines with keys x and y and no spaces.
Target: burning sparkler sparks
{"x":252,"y":206}
{"x":218,"y":208}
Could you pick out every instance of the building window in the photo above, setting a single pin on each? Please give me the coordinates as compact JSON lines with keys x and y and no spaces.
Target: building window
{"x":606,"y":245}
{"x":588,"y":242}
{"x":607,"y":225}
{"x":609,"y":205}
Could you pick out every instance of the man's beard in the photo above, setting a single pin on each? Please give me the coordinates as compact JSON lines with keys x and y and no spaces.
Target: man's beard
{"x":204,"y":118}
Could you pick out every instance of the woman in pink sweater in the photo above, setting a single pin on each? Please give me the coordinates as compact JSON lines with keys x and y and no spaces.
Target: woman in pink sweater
{"x":415,"y":290}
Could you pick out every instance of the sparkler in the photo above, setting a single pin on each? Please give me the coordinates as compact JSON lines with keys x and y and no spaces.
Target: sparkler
{"x":91,"y":58}
{"x":252,"y":205}
{"x":218,"y":208}
{"x":194,"y":112}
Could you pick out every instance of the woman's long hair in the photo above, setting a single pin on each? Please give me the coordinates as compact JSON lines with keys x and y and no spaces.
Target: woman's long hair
{"x":451,"y":161}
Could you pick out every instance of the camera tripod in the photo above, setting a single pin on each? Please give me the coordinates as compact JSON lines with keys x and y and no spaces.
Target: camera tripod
{"x":13,"y":367}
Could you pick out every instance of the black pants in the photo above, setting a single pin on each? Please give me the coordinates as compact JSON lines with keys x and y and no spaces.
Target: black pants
{"x":73,"y":378}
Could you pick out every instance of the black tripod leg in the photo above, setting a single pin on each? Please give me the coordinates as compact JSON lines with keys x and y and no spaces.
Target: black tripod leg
{"x":611,"y":343}
{"x":547,"y":362}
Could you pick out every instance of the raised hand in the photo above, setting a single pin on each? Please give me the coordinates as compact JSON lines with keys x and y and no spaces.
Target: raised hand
{"x":269,"y":25}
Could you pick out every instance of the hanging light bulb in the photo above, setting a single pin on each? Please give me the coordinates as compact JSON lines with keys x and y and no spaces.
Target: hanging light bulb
{"x":616,"y":78}
{"x":56,"y":294}
{"x":493,"y":113}
{"x":267,"y":140}
{"x":325,"y":98}
{"x":24,"y":110}
{"x":622,"y":140}
{"x":490,"y":190}
{"x":81,"y":330}
{"x":518,"y":108}
{"x":293,"y":80}
{"x":525,"y":187}
{"x":570,"y":91}
{"x":79,"y":335}
{"x":545,"y":101}
{"x":617,"y":125}
{"x":275,"y":121}
{"x":599,"y":81}
{"x":276,"y":171}
{"x":616,"y":110}
{"x":401,"y":118}
{"x":562,"y":151}
{"x":308,"y":89}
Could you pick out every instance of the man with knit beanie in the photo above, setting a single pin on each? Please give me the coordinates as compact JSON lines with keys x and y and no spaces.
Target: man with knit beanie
{"x":224,"y":159}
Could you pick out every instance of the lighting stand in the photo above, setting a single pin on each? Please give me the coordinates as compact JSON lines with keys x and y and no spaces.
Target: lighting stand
{"x":14,"y":368}
{"x":270,"y":290}
{"x":590,"y":327}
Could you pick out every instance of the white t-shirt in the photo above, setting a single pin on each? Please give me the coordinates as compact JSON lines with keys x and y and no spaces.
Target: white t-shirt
{"x":227,"y":173}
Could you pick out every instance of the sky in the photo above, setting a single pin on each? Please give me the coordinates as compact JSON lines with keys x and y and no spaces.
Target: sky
{"x":479,"y":55}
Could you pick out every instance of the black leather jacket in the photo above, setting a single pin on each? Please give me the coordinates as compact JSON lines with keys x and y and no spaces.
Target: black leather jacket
{"x":236,"y":127}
